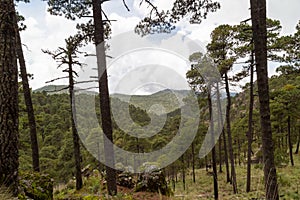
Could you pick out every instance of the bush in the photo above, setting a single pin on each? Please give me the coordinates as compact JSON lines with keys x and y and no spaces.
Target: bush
{"x":280,"y":157}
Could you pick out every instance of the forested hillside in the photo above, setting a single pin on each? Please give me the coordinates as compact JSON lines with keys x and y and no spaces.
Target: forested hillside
{"x":219,"y":121}
{"x":55,"y":141}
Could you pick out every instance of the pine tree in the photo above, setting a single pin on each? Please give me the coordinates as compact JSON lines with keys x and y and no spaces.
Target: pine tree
{"x":258,"y":16}
{"x":68,"y":56}
{"x":8,"y":97}
{"x":28,"y":102}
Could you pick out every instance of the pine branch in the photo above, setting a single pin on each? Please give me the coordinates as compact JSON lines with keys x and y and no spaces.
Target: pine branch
{"x":126,"y":6}
{"x":65,"y":88}
{"x":56,"y":79}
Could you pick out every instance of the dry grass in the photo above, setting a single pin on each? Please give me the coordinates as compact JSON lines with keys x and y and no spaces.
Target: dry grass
{"x":288,"y":180}
{"x":5,"y":194}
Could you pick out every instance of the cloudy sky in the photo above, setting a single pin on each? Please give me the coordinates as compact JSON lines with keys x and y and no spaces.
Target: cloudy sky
{"x":48,"y":32}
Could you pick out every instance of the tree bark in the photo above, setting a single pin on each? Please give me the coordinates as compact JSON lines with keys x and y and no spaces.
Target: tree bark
{"x":298,"y":143}
{"x":183,"y":172}
{"x":290,"y":140}
{"x":258,"y":15}
{"x":213,"y":154}
{"x":220,"y":156}
{"x":239,"y":151}
{"x":9,"y":162}
{"x":231,"y":156}
{"x":206,"y":164}
{"x":28,"y":103}
{"x":193,"y":162}
{"x":76,"y":142}
{"x":104,"y":98}
{"x":250,"y":127}
{"x":223,"y":134}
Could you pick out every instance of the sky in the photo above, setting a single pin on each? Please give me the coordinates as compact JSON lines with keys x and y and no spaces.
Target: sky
{"x":45,"y":31}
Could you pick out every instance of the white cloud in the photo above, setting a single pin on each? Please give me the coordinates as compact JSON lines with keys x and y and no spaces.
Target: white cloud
{"x":50,"y":36}
{"x":123,"y":24}
{"x":48,"y":32}
{"x":285,"y":11}
{"x":141,"y":9}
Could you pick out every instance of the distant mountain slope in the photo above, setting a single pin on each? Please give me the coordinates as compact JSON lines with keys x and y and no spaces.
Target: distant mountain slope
{"x":161,"y":102}
{"x":170,"y":100}
{"x":61,"y":89}
{"x":52,"y":88}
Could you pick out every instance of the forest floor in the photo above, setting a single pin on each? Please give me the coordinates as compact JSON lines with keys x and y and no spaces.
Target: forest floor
{"x":288,"y":180}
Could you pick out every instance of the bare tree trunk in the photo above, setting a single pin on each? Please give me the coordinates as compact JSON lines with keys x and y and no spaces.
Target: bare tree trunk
{"x":183,"y":172}
{"x":193,"y":162}
{"x":173,"y":177}
{"x":290,"y":141}
{"x":206,"y":164}
{"x":223,"y":134}
{"x":220,"y":157}
{"x":258,"y":15}
{"x":250,"y":127}
{"x":213,"y":154}
{"x":239,"y":151}
{"x":104,"y":98}
{"x":9,"y":140}
{"x":233,"y":174}
{"x":76,"y":141}
{"x":298,"y":143}
{"x":28,"y":103}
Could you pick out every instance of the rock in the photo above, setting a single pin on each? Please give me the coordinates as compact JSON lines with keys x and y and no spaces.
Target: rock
{"x":35,"y":186}
{"x":125,"y":180}
{"x":153,"y":181}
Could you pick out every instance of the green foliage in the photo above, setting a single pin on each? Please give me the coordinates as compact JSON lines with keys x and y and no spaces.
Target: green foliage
{"x":280,"y":157}
{"x":163,"y":21}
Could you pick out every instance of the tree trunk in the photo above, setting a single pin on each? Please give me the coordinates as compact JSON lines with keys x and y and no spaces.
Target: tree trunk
{"x":223,"y":134}
{"x":193,"y":162}
{"x":206,"y":164}
{"x":258,"y":15}
{"x":298,"y":143}
{"x":290,"y":140}
{"x":219,"y":129}
{"x":9,"y":162}
{"x":233,"y":175}
{"x":239,"y":151}
{"x":173,"y":177}
{"x":76,"y":141}
{"x":213,"y":154}
{"x":183,"y":172}
{"x":28,"y":103}
{"x":250,"y":127}
{"x":104,"y":98}
{"x":220,"y":157}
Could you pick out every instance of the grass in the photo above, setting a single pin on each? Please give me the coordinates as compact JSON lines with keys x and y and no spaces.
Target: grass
{"x":5,"y":194}
{"x":288,"y":180}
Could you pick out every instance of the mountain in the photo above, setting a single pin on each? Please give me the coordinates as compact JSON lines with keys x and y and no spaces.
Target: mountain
{"x":161,"y":102}
{"x":61,"y":89}
{"x":53,"y":88}
{"x":170,"y":100}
